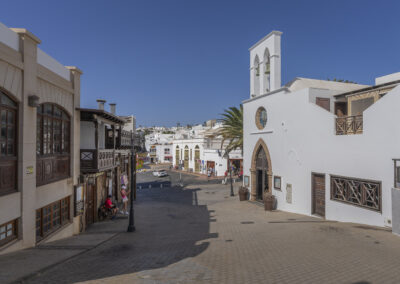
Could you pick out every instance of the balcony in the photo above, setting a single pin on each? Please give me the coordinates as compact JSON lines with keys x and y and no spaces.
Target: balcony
{"x":93,"y":160}
{"x":125,"y":140}
{"x":348,"y":125}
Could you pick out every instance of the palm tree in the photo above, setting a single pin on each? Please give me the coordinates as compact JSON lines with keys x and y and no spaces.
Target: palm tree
{"x":232,"y":129}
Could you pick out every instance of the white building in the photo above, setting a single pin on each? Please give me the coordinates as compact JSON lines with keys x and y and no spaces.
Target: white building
{"x":320,"y":147}
{"x":161,"y":153}
{"x":202,"y":153}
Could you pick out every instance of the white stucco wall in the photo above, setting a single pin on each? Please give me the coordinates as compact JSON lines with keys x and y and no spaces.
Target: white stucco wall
{"x":271,"y":42}
{"x":50,"y":63}
{"x":8,"y":37}
{"x":301,"y":139}
{"x":88,"y":139}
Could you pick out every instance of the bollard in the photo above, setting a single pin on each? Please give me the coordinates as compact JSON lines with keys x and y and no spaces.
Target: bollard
{"x":161,"y":185}
{"x":149,"y":185}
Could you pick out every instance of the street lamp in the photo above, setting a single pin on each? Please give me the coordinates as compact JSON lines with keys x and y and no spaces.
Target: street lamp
{"x":230,"y":171}
{"x":131,"y":226}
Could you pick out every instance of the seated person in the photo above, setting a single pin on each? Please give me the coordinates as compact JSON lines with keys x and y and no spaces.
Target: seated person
{"x":110,"y":206}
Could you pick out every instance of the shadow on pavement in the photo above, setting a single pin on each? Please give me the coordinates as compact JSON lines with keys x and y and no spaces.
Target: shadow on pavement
{"x":170,"y":226}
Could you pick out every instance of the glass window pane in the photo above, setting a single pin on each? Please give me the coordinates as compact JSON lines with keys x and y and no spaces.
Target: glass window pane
{"x":3,"y":116}
{"x":2,"y":236}
{"x":48,"y":109}
{"x":7,"y":101}
{"x":10,"y":119}
{"x":10,"y":148}
{"x":3,"y":131}
{"x":57,"y":111}
{"x":3,"y":147}
{"x":10,"y":132}
{"x":2,"y":229}
{"x":9,"y":233}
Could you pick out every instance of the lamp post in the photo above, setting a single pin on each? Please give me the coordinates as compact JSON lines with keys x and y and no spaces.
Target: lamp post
{"x":230,"y":172}
{"x":131,"y":226}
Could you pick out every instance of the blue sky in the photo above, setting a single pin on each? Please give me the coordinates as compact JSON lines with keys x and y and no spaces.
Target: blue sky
{"x":185,"y":61}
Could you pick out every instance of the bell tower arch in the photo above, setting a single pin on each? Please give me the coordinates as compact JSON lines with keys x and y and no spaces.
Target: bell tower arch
{"x":265,"y":64}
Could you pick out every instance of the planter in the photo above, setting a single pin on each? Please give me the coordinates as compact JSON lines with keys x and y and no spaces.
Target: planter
{"x":269,"y":201}
{"x":243,"y":193}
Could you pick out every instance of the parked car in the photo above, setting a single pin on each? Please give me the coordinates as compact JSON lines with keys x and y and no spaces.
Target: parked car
{"x":156,"y":173}
{"x":162,"y":173}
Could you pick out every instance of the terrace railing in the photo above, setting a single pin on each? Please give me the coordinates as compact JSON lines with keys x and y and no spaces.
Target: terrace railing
{"x":93,"y":160}
{"x":348,"y":125}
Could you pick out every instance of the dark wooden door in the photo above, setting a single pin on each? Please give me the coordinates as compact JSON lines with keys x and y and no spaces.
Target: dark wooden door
{"x":260,"y":184}
{"x":324,"y":103}
{"x":90,"y":196}
{"x":318,"y":194}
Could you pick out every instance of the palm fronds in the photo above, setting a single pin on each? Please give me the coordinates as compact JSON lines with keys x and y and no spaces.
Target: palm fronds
{"x":232,"y":128}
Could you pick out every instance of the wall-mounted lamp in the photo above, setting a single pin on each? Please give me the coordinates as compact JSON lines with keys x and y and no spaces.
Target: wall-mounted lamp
{"x":33,"y":101}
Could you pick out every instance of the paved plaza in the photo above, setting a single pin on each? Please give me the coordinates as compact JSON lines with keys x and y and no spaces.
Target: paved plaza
{"x":199,"y":234}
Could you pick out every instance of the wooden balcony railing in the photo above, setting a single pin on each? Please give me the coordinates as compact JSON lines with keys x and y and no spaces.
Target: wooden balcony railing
{"x":349,"y":125}
{"x":126,"y":139}
{"x":93,"y":160}
{"x":363,"y":193}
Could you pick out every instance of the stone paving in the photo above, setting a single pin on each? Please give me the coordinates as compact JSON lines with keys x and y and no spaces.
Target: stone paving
{"x":199,"y":234}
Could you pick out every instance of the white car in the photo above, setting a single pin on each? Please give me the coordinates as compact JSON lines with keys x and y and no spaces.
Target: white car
{"x":160,"y":173}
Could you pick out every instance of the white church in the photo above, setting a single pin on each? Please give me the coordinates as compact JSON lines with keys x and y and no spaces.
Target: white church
{"x":322,"y":148}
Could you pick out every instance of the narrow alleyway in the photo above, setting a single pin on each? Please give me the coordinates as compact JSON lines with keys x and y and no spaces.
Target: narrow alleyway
{"x":199,"y":234}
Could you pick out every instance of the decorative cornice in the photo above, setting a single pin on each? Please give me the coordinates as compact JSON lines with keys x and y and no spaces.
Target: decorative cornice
{"x":277,"y":33}
{"x":75,"y":69}
{"x":27,"y":33}
{"x":266,"y":94}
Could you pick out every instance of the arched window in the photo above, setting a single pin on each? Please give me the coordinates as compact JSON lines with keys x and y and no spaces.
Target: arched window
{"x":186,"y":158}
{"x":267,"y":71}
{"x":197,"y":161}
{"x":177,"y":156}
{"x":256,"y":76}
{"x":52,"y":143}
{"x":8,"y":144}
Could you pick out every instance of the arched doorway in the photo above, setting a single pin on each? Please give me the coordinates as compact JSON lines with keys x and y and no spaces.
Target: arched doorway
{"x":261,"y":171}
{"x":197,"y":159}
{"x":186,"y":159}
{"x":177,"y":156}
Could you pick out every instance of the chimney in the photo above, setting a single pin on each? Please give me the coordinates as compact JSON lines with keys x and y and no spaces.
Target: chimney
{"x":101,"y":103}
{"x":112,"y":108}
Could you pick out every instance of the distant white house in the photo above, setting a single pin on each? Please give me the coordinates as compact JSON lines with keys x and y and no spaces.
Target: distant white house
{"x":321,"y":147}
{"x":203,"y":154}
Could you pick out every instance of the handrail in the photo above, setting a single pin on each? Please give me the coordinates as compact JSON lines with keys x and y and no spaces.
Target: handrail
{"x":352,"y":124}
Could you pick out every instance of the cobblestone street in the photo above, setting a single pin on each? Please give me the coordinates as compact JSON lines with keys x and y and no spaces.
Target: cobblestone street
{"x":199,"y":234}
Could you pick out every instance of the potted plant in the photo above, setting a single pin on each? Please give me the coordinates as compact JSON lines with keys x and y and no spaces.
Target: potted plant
{"x":243,"y":193}
{"x":269,"y":201}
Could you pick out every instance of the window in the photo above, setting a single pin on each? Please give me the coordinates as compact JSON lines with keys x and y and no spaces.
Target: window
{"x":363,"y":193}
{"x":52,"y":143}
{"x":8,"y":144}
{"x":52,"y":217}
{"x":166,"y":151}
{"x":8,"y":232}
{"x":53,"y":130}
{"x":261,"y":118}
